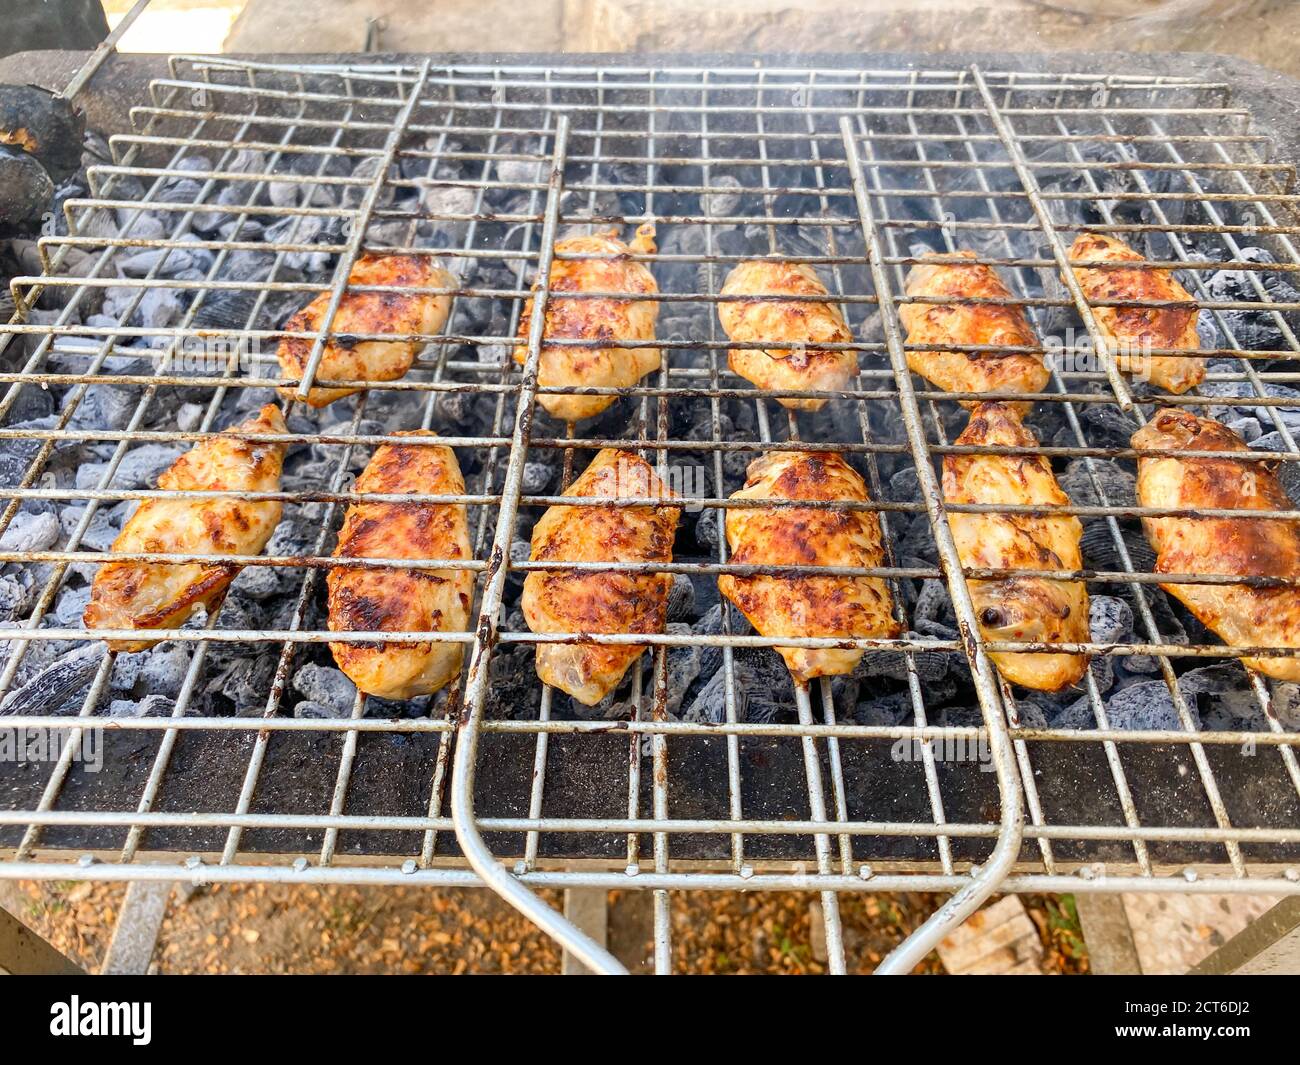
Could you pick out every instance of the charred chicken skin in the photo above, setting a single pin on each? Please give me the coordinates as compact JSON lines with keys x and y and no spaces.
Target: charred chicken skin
{"x":598,"y":318}
{"x":592,"y":602}
{"x":402,"y":600}
{"x":346,"y":359}
{"x":1018,"y":608}
{"x":958,"y":324}
{"x":157,"y":595}
{"x":1135,"y":330}
{"x":1248,"y":547}
{"x":802,"y":366}
{"x":808,"y":606}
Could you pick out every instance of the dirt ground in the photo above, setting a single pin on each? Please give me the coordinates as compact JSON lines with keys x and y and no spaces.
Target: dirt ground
{"x":302,"y":929}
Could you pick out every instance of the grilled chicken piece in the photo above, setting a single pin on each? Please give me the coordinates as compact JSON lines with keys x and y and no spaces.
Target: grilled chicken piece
{"x":1134,"y":330}
{"x":806,"y":325}
{"x":556,"y":601}
{"x":1018,"y":608}
{"x":402,"y":600}
{"x":594,"y":319}
{"x":158,"y":595}
{"x":796,"y":536}
{"x":368,"y":312}
{"x":1249,"y":547}
{"x":956,"y":324}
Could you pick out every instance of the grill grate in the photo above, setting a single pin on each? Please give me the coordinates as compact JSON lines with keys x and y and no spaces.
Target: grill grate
{"x":251,"y":187}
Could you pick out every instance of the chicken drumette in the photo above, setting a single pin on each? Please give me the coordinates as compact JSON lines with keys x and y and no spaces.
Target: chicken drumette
{"x":1247,"y":547}
{"x":401,"y":599}
{"x":808,"y":606}
{"x":594,"y":602}
{"x":954,"y":325}
{"x":1135,"y":330}
{"x":149,"y":595}
{"x":1018,"y":608}
{"x":802,"y":365}
{"x":595,"y":319}
{"x":347,"y":359}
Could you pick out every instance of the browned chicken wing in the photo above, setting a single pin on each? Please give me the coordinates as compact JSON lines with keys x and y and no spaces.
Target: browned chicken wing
{"x":402,"y":600}
{"x":1018,"y":608}
{"x":957,"y":324}
{"x":600,"y":318}
{"x":1135,"y":330}
{"x":618,"y":602}
{"x":797,"y":536}
{"x":368,"y":312}
{"x":804,"y":366}
{"x":149,"y":595}
{"x":1246,"y":547}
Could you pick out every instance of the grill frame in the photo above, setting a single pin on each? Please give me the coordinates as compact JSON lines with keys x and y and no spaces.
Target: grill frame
{"x":1003,"y":868}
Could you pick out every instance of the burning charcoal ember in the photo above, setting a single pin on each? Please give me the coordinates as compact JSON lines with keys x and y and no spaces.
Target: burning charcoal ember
{"x":43,"y":125}
{"x":69,"y":607}
{"x":13,"y":597}
{"x":326,"y":685}
{"x":725,"y":197}
{"x":930,"y":665}
{"x":149,"y":706}
{"x":536,"y":477}
{"x":163,"y":669}
{"x":31,"y":532}
{"x":1110,"y":620}
{"x":26,"y":193}
{"x":58,"y":688}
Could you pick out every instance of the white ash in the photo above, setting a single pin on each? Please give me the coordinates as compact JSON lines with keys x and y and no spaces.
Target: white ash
{"x":327,"y":686}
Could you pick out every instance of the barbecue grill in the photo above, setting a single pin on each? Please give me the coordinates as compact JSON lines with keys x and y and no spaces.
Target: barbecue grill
{"x":245,"y":188}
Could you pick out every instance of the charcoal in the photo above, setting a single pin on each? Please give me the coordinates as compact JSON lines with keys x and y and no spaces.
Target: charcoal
{"x":28,"y":193}
{"x":324,"y":684}
{"x":163,"y":671}
{"x":681,"y":598}
{"x":243,"y":686}
{"x":1030,"y":712}
{"x":31,"y":532}
{"x":59,"y":688}
{"x":1146,"y":705}
{"x":711,"y":624}
{"x":70,"y":606}
{"x":682,"y":668}
{"x":885,"y":711}
{"x":260,"y":582}
{"x":513,"y":688}
{"x":13,"y":597}
{"x":1254,"y":329}
{"x":1286,"y":704}
{"x":1223,"y":697}
{"x":905,"y":486}
{"x":536,"y":477}
{"x":149,"y":706}
{"x":1078,"y":715}
{"x":724,"y":199}
{"x":105,"y":407}
{"x":1118,"y":485}
{"x":1110,"y":620}
{"x":1100,"y":551}
{"x":141,"y":466}
{"x":322,"y":711}
{"x":1247,"y":428}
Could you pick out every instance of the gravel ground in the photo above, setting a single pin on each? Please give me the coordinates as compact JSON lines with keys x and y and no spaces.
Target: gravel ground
{"x":263,"y":928}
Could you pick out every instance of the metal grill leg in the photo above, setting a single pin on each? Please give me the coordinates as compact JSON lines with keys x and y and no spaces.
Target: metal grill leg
{"x":136,"y":933}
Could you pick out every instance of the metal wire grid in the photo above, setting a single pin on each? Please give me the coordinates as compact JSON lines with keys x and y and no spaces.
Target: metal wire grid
{"x":881,"y":145}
